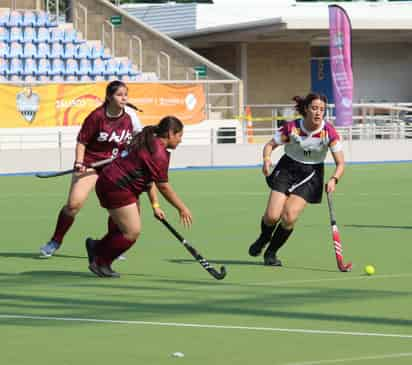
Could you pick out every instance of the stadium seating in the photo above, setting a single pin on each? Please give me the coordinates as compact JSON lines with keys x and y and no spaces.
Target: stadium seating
{"x":33,"y":47}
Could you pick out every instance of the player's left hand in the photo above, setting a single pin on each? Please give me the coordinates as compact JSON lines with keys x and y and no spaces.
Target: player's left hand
{"x":330,"y":186}
{"x":158,"y":213}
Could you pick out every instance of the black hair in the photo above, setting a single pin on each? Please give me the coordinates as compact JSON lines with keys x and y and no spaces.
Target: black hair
{"x":302,"y":103}
{"x":144,"y":139}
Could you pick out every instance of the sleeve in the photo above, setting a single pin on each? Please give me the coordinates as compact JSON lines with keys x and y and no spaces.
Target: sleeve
{"x":88,"y":130}
{"x":335,"y":144}
{"x":137,"y":125}
{"x":158,"y":166}
{"x":281,"y":135}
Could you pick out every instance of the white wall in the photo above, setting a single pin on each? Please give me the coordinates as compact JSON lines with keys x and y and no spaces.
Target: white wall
{"x":382,"y":72}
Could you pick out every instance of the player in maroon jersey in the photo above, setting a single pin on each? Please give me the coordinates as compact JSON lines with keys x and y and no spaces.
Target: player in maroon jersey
{"x":120,"y":184}
{"x":104,"y":134}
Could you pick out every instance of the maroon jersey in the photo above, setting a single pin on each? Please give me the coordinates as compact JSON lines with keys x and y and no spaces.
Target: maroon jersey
{"x":104,"y":137}
{"x":139,"y":169}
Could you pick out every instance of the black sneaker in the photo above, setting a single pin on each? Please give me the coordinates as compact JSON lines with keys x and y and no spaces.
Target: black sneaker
{"x":256,"y":248}
{"x":103,"y":271}
{"x":271,"y":260}
{"x":90,"y":246}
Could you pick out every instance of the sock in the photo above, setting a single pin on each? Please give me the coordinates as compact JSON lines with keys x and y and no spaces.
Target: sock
{"x":111,"y":226}
{"x":278,"y":240}
{"x":64,"y":222}
{"x":266,"y":231}
{"x":111,"y":246}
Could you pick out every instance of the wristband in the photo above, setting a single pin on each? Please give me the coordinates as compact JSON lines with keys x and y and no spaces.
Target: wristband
{"x":334,"y":178}
{"x":78,"y":163}
{"x":267,"y":158}
{"x":155,"y":205}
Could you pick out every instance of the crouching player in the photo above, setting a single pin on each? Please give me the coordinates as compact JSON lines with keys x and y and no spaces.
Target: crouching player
{"x":298,"y":177}
{"x":121,"y":183}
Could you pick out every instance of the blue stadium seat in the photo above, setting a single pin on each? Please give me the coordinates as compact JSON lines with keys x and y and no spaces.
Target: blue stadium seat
{"x":29,"y":50}
{"x":99,"y":78}
{"x":29,"y":35}
{"x":124,"y":68}
{"x":16,"y":78}
{"x":43,"y":50}
{"x":30,"y":78}
{"x":15,"y":50}
{"x":43,"y":67}
{"x":4,"y":34}
{"x":4,"y":67}
{"x":71,"y":67}
{"x":43,"y":78}
{"x":71,"y":78}
{"x":83,"y":51}
{"x":15,"y":19}
{"x":57,"y":78}
{"x":16,"y":35}
{"x":70,"y":36}
{"x":57,"y":67}
{"x":112,"y":66}
{"x":29,"y":19}
{"x":30,"y":67}
{"x":85,"y":78}
{"x":16,"y":67}
{"x":56,"y":35}
{"x":56,"y":50}
{"x":4,"y":18}
{"x":42,"y":19}
{"x":96,"y":52}
{"x":70,"y":51}
{"x":42,"y":35}
{"x":85,"y":67}
{"x":99,"y":68}
{"x":4,"y":50}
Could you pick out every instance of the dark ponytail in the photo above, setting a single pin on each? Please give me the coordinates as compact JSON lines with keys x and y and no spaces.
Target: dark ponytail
{"x":302,"y":103}
{"x":144,"y":139}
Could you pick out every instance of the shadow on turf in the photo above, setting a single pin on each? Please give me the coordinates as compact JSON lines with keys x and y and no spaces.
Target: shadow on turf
{"x":248,"y":263}
{"x":376,"y":226}
{"x":34,"y":255}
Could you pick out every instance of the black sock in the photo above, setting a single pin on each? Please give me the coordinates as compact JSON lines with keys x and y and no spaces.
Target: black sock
{"x":266,"y":231}
{"x":278,"y":240}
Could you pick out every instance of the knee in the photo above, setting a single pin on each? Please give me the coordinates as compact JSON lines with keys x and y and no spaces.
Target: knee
{"x":72,"y":208}
{"x":132,"y":234}
{"x":270,"y":219}
{"x":289,"y":218}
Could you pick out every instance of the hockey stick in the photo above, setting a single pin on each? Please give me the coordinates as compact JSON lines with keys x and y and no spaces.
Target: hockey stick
{"x":46,"y":175}
{"x":336,"y":238}
{"x":200,"y":259}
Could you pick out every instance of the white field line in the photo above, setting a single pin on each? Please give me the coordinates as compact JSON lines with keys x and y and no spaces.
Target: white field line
{"x":212,"y":326}
{"x":347,"y":278}
{"x":353,"y":359}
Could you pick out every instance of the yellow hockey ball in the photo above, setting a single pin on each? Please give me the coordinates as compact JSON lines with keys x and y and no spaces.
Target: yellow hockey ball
{"x":369,"y":270}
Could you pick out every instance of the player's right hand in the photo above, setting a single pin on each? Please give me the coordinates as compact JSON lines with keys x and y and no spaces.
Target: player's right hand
{"x":79,"y":167}
{"x":267,"y":165}
{"x":160,"y":214}
{"x":185,"y":217}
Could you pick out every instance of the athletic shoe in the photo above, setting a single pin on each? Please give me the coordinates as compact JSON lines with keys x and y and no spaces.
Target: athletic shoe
{"x":256,"y":248}
{"x":90,"y":246}
{"x":49,"y":249}
{"x":103,"y":271}
{"x":121,"y":258}
{"x":271,"y":260}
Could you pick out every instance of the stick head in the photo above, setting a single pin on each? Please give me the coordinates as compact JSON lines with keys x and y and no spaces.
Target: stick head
{"x":345,"y":267}
{"x":216,"y":274}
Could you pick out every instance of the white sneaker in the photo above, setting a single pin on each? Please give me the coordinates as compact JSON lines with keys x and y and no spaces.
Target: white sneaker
{"x":49,"y":249}
{"x":121,"y":258}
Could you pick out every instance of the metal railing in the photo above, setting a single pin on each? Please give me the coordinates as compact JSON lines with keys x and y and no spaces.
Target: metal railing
{"x":134,"y":39}
{"x":165,"y":56}
{"x":80,"y":18}
{"x":108,"y":37}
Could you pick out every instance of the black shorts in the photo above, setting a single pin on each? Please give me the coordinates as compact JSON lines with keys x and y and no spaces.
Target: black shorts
{"x":293,"y":177}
